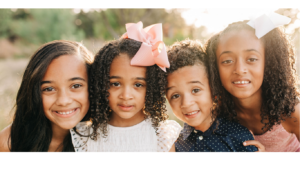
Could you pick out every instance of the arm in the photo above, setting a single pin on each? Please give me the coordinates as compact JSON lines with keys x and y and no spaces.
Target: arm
{"x":5,"y":139}
{"x":172,"y":148}
{"x":260,"y":147}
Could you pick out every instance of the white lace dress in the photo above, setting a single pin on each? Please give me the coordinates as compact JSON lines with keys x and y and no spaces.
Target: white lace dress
{"x":138,"y":138}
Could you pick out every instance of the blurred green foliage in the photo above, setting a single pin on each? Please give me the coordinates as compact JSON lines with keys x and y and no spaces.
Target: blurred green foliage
{"x":39,"y":26}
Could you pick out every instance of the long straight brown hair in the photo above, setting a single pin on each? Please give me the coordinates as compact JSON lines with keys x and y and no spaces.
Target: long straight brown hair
{"x":31,"y":130}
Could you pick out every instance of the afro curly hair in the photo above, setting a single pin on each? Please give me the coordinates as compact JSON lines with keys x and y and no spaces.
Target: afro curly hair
{"x":155,"y":107}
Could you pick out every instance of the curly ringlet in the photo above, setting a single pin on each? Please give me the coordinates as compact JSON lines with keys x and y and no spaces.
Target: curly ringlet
{"x":155,"y":108}
{"x":188,"y":53}
{"x":279,"y":91}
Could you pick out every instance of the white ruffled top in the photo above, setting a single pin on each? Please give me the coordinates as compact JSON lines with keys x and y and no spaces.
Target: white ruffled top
{"x":138,"y":138}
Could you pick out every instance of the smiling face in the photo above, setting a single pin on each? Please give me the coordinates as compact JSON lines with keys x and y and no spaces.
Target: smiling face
{"x":127,"y":90}
{"x":189,"y":95}
{"x":241,"y":60}
{"x":65,"y":91}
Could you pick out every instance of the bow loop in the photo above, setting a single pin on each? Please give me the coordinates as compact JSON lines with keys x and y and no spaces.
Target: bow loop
{"x":267,"y":22}
{"x":152,"y":50}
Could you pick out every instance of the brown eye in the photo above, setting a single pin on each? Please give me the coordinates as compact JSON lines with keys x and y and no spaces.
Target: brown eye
{"x":195,"y":90}
{"x":75,"y":86}
{"x":252,"y":59}
{"x":138,"y":85}
{"x":115,"y":84}
{"x":227,"y":61}
{"x":175,"y":96}
{"x":48,"y":89}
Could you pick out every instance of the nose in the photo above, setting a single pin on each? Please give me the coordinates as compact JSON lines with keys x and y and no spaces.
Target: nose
{"x":63,"y":98}
{"x":187,"y":101}
{"x":126,"y":93}
{"x":240,"y":67}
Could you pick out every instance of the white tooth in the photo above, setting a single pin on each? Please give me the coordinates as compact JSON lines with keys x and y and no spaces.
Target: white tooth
{"x":243,"y":82}
{"x":64,"y":113}
{"x":67,"y":112}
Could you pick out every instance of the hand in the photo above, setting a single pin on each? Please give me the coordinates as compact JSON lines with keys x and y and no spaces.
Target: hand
{"x":261,"y":148}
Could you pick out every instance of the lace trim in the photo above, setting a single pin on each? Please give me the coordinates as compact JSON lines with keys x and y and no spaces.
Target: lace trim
{"x":168,"y":134}
{"x":80,"y":142}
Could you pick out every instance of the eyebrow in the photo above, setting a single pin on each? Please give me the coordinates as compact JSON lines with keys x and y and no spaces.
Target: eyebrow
{"x":72,"y":79}
{"x":168,"y":88}
{"x":118,"y":77}
{"x":252,"y":50}
{"x":247,"y":50}
{"x":196,"y":82}
{"x":76,"y":78}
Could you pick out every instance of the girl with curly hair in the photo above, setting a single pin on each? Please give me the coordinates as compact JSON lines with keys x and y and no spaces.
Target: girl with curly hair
{"x":188,"y":92}
{"x":127,"y":96}
{"x":254,"y":83}
{"x":52,"y":99}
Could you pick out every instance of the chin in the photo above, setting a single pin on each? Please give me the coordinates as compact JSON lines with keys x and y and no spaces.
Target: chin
{"x":126,"y":115}
{"x":242,"y":95}
{"x":68,"y":126}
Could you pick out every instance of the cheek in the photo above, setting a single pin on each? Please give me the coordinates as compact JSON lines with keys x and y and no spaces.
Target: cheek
{"x":48,"y":101}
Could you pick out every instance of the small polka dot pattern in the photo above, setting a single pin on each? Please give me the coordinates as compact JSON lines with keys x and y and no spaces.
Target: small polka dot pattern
{"x":228,"y":137}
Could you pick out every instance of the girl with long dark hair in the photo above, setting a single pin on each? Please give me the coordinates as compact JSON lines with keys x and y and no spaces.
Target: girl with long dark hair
{"x":52,"y":99}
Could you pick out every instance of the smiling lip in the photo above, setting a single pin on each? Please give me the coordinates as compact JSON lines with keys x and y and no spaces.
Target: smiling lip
{"x":241,"y":83}
{"x":125,"y":107}
{"x":66,"y":113}
{"x":192,"y":114}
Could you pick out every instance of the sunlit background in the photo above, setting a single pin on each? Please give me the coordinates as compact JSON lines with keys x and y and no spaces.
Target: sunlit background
{"x":22,"y":31}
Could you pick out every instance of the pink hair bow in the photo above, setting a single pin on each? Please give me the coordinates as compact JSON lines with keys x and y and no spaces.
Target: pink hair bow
{"x":152,"y":50}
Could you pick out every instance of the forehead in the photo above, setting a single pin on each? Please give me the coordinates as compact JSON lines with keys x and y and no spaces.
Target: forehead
{"x":65,"y":67}
{"x":120,"y":66}
{"x":186,"y":74}
{"x":241,"y":39}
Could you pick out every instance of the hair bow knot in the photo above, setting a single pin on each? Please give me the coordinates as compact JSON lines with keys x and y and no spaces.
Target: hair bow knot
{"x":267,"y":22}
{"x":152,"y":50}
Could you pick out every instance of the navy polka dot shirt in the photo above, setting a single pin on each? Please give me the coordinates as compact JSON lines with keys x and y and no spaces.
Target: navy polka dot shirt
{"x":229,"y":137}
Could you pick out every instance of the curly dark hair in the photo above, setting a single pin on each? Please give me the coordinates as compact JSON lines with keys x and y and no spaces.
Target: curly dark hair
{"x":187,"y":53}
{"x":155,"y":107}
{"x":279,"y":91}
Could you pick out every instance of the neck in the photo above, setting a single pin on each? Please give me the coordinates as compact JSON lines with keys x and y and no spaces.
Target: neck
{"x":58,"y":136}
{"x":118,"y":121}
{"x":205,"y":124}
{"x":251,"y":105}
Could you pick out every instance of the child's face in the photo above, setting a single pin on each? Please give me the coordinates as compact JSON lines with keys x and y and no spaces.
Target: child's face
{"x":189,"y":95}
{"x":65,"y":91}
{"x":127,"y":89}
{"x":241,"y":60}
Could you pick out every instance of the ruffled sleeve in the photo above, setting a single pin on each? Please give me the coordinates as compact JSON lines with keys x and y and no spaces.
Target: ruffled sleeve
{"x":80,"y":142}
{"x":168,"y":134}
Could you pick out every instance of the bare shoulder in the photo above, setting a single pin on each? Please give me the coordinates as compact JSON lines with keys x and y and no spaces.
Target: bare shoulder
{"x":4,"y":139}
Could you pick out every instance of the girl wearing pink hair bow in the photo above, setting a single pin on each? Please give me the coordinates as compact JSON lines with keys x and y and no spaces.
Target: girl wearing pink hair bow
{"x":252,"y":70}
{"x":127,"y":96}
